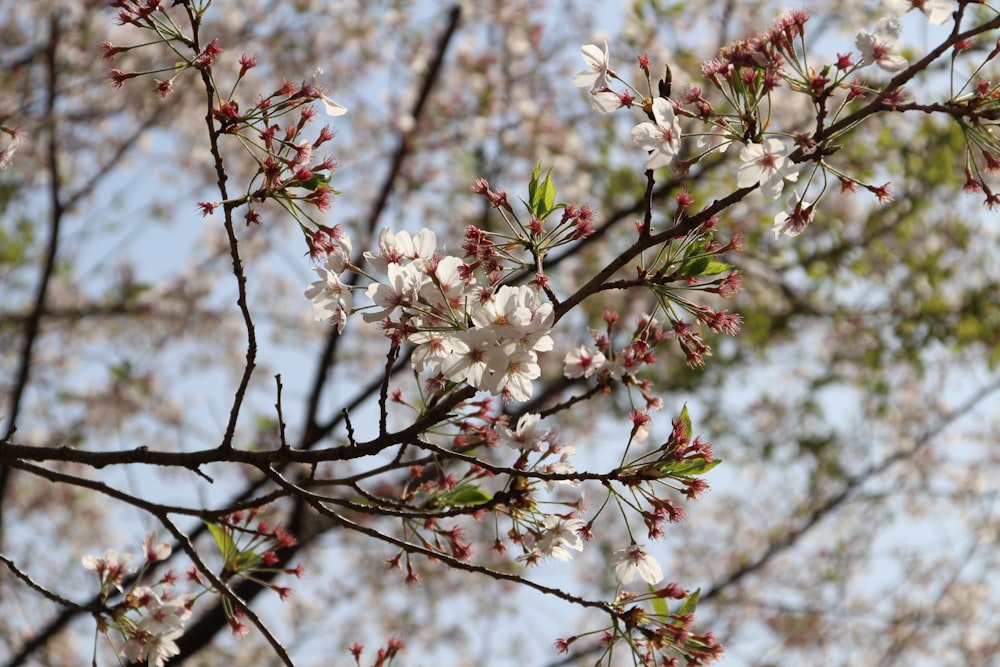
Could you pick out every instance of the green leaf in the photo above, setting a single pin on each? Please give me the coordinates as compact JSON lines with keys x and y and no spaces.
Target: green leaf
{"x":548,"y":198}
{"x":533,"y":185}
{"x":659,"y":604}
{"x":690,"y":604}
{"x":685,"y":419}
{"x":703,"y":266}
{"x":316,"y":181}
{"x":689,"y":467}
{"x":692,"y":267}
{"x":714,"y":268}
{"x":224,"y":540}
{"x":541,"y":194}
{"x":246,"y":561}
{"x":465,"y":494}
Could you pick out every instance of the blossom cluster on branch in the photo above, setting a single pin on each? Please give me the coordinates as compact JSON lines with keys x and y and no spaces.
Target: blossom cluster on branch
{"x":474,"y":324}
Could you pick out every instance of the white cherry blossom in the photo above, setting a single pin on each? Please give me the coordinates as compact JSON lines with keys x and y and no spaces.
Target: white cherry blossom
{"x":528,"y":435}
{"x":663,"y":137}
{"x":559,"y":535}
{"x":432,"y":349}
{"x":155,"y":551}
{"x":879,"y":47}
{"x":582,"y":362}
{"x":766,"y":163}
{"x":513,"y":370}
{"x":469,"y":352}
{"x":331,"y":300}
{"x":155,"y":649}
{"x":395,"y":247}
{"x":560,"y":467}
{"x":596,"y":74}
{"x":633,"y":560}
{"x":401,"y":290}
{"x":792,"y":224}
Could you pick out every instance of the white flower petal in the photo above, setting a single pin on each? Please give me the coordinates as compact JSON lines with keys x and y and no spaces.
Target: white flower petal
{"x":333,"y":108}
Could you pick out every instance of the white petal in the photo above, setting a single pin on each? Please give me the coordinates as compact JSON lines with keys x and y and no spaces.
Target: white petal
{"x":771,"y":188}
{"x":893,"y":63}
{"x":887,"y":30}
{"x":748,"y":174}
{"x":650,"y":570}
{"x":663,"y":112}
{"x":605,"y":101}
{"x":659,"y":158}
{"x":896,"y":7}
{"x":333,"y":108}
{"x":774,"y":146}
{"x":939,"y":12}
{"x":646,"y":136}
{"x":593,"y":56}
{"x":585,"y":78}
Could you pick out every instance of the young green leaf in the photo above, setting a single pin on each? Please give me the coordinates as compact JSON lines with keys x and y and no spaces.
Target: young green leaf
{"x":541,"y":193}
{"x":224,"y":540}
{"x":690,"y":604}
{"x":689,"y":467}
{"x":659,"y":604}
{"x":465,"y":494}
{"x":685,"y":420}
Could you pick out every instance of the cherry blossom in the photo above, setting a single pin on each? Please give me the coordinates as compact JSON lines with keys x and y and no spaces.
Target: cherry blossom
{"x":633,"y":560}
{"x":110,"y":567}
{"x":662,"y":138}
{"x":560,"y":467}
{"x":880,"y":46}
{"x":596,"y":75}
{"x":156,"y":649}
{"x":467,"y":360}
{"x":432,"y":349}
{"x":792,"y":224}
{"x":559,"y":535}
{"x":155,"y":551}
{"x":766,"y":163}
{"x":582,"y":362}
{"x":330,"y":298}
{"x":937,"y":11}
{"x":402,"y":289}
{"x":395,"y":247}
{"x":162,"y":616}
{"x":513,"y":371}
{"x":528,"y":435}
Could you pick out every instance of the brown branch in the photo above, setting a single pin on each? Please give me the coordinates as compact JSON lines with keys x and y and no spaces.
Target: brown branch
{"x":223,"y":589}
{"x":457,"y":564}
{"x":33,"y":326}
{"x":234,"y":252}
{"x":38,"y":588}
{"x":684,"y":226}
{"x":877,"y":104}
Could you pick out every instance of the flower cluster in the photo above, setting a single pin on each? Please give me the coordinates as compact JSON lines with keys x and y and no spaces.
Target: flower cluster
{"x":747,"y":72}
{"x":464,"y":330}
{"x":288,"y":171}
{"x":148,"y":622}
{"x":330,"y":297}
{"x":482,"y":317}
